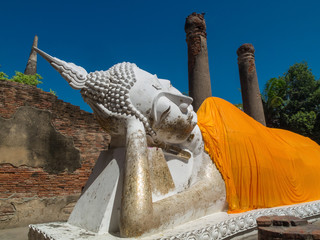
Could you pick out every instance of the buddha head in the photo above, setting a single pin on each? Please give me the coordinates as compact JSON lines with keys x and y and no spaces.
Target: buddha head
{"x":126,"y":91}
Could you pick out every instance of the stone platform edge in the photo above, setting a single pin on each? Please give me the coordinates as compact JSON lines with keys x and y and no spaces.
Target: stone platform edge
{"x":231,"y":226}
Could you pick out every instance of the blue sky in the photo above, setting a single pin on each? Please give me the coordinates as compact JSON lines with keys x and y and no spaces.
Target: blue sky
{"x":99,"y":34}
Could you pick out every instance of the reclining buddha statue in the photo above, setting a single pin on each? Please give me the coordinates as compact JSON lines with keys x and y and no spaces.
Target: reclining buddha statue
{"x":167,"y":165}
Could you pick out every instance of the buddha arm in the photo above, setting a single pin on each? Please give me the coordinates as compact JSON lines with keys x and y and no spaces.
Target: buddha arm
{"x":136,"y":205}
{"x":139,"y":214}
{"x":195,"y":202}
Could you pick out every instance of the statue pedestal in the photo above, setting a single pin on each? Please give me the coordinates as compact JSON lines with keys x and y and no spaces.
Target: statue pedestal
{"x":214,"y":226}
{"x":96,"y":215}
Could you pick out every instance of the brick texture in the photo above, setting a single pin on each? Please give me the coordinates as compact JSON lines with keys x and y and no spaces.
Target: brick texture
{"x":286,"y":227}
{"x":69,"y":120}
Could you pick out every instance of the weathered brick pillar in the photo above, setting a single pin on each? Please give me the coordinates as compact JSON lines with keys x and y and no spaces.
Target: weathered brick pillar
{"x":251,"y":97}
{"x":198,"y":66}
{"x":31,"y":67}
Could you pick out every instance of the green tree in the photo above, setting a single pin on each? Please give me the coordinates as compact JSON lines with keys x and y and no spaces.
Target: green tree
{"x":239,"y":105}
{"x":20,"y":77}
{"x":274,"y":100}
{"x":292,"y":101}
{"x":3,"y":76}
{"x":33,"y":80}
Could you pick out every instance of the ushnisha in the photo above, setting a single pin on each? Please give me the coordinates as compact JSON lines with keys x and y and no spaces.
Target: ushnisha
{"x":141,"y":111}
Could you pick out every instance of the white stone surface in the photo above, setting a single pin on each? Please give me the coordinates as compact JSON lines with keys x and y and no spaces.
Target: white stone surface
{"x":98,"y":208}
{"x":94,"y":208}
{"x":180,"y":170}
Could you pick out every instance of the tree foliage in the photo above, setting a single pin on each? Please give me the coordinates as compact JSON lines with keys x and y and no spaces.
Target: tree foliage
{"x":239,"y":105}
{"x":292,"y":101}
{"x":33,"y":80}
{"x":3,"y":76}
{"x":274,"y":100}
{"x":53,"y":92}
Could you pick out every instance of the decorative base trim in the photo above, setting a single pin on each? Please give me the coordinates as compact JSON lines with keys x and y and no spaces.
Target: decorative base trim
{"x":247,"y":221}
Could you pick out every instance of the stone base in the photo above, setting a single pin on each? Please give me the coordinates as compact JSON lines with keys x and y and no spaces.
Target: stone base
{"x":286,"y":227}
{"x":215,"y":226}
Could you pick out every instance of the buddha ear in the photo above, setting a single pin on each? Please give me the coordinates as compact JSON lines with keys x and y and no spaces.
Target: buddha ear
{"x":75,"y":75}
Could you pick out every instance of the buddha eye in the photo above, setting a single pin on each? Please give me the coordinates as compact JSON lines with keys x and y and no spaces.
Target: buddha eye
{"x":184,"y":107}
{"x":162,"y":109}
{"x":165,"y":114}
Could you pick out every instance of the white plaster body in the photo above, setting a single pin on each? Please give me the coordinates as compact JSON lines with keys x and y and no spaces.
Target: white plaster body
{"x":98,"y":209}
{"x":140,"y":110}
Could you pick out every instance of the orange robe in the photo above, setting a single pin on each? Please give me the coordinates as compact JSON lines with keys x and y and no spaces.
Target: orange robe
{"x":262,"y":167}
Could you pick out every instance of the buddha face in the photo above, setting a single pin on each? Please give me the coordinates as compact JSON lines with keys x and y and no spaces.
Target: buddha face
{"x":169,"y":113}
{"x":173,"y":117}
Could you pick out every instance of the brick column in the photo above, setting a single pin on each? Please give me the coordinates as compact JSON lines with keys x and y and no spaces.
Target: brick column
{"x":31,"y":67}
{"x":198,"y":66}
{"x":251,"y":97}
